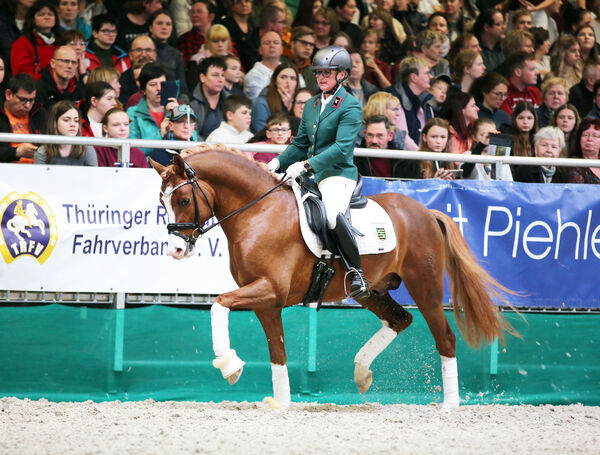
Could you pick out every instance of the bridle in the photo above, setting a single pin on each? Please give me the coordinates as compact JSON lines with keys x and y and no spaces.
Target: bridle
{"x":197,"y":225}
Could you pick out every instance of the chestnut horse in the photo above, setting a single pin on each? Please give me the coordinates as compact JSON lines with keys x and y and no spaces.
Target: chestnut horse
{"x":272,"y":265}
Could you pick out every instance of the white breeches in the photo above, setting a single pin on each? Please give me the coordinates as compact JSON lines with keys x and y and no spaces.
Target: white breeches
{"x":336,"y":192}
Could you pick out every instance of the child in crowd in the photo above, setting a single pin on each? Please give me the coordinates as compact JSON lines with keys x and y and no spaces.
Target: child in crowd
{"x":377,"y":71}
{"x":439,"y":90}
{"x":236,"y":128}
{"x":115,"y":124}
{"x":436,"y":138}
{"x":276,"y":131}
{"x":482,"y":130}
{"x":234,"y":76}
{"x":524,"y":127}
{"x":181,"y":127}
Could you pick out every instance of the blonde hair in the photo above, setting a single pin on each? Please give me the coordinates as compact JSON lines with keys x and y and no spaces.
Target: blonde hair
{"x":378,"y":103}
{"x":552,"y":81}
{"x":103,"y":74}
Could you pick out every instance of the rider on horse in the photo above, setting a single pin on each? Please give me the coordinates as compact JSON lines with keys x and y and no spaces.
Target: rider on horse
{"x":325,"y":145}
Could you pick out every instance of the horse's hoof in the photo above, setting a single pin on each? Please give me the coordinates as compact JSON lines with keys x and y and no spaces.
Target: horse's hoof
{"x":363,"y":377}
{"x":231,"y":366}
{"x":235,"y":376}
{"x":273,"y":403}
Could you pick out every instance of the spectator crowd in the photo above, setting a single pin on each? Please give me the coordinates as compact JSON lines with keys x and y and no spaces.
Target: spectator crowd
{"x":431,"y":75}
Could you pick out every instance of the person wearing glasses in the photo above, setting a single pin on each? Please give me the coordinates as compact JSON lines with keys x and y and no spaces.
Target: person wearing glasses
{"x":101,"y":50}
{"x":142,"y":48}
{"x":20,"y":113}
{"x":300,"y":51}
{"x":490,"y":91}
{"x":325,"y":145}
{"x":59,"y":81}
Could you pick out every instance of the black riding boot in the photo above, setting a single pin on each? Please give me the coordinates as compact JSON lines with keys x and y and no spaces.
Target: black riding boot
{"x":348,"y":250}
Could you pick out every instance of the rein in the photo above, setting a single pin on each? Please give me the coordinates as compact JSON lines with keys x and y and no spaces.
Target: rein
{"x":197,"y":226}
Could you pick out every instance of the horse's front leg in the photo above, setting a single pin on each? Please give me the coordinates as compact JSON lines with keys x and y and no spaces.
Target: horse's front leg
{"x":256,"y":295}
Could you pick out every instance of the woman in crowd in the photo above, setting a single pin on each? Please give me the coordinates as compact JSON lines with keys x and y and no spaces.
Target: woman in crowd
{"x":482,"y":130}
{"x":356,"y":83}
{"x":234,"y":76}
{"x":277,"y":97}
{"x":549,"y":142}
{"x":300,"y":100}
{"x":464,"y":42}
{"x":64,"y":120}
{"x":565,"y":60}
{"x":33,"y":51}
{"x":517,"y":41}
{"x":108,"y":75}
{"x":490,"y":91}
{"x":438,"y":23}
{"x":377,"y":72}
{"x":586,"y":37}
{"x":326,"y":25}
{"x":461,"y":112}
{"x":218,"y":44}
{"x":381,"y":22}
{"x":468,"y":67}
{"x":100,"y":97}
{"x":523,"y":128}
{"x":587,"y":145}
{"x":541,"y":45}
{"x":161,"y":28}
{"x":115,"y":124}
{"x":4,"y":75}
{"x":567,"y":118}
{"x":555,"y":93}
{"x":345,"y":10}
{"x":202,"y":14}
{"x":343,"y":40}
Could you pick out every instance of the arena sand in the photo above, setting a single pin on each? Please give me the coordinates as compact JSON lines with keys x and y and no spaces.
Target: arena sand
{"x":149,"y":427}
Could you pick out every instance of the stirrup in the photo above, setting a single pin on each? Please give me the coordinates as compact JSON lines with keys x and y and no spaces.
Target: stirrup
{"x":361,"y":291}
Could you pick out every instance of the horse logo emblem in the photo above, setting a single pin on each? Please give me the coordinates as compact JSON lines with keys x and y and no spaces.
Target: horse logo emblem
{"x":27,"y":227}
{"x":381,"y":233}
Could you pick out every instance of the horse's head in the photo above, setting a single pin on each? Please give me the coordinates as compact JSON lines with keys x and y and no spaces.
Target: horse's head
{"x":189,"y":204}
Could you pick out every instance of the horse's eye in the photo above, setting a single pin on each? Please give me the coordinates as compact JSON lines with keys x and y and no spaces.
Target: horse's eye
{"x":184,"y":202}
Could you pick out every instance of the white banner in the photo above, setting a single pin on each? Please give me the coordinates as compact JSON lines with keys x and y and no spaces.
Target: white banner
{"x":83,"y":229}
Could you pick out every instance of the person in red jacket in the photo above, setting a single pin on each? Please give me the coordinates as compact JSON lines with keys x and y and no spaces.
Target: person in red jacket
{"x":521,"y":69}
{"x":33,"y":51}
{"x":101,"y":50}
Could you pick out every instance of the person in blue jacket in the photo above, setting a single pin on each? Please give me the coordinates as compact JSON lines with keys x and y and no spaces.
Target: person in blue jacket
{"x":325,"y":145}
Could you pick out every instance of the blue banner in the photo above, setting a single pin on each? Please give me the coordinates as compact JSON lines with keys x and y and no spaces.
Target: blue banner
{"x":542,"y":241}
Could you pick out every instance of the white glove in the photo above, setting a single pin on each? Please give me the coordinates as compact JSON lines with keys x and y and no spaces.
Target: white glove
{"x":295,"y":170}
{"x":273,"y":165}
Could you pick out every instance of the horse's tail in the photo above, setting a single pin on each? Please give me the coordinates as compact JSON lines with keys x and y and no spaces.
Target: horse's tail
{"x":472,"y":290}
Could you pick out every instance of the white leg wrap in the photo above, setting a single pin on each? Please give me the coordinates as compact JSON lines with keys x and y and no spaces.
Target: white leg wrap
{"x":375,"y":346}
{"x":281,"y":385}
{"x":450,"y":382}
{"x":219,"y":318}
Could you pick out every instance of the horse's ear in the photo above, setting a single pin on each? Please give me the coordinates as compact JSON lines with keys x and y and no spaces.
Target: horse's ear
{"x":179,"y":164}
{"x":157,"y":166}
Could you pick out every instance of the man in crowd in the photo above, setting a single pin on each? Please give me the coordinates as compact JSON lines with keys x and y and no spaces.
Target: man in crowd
{"x":20,"y":113}
{"x":522,"y":74}
{"x":300,"y":52}
{"x":582,"y":95}
{"x":378,"y":135}
{"x":490,"y":28}
{"x":59,"y":81}
{"x":141,"y":47}
{"x":429,"y":45}
{"x":207,"y":99}
{"x":271,"y":49}
{"x":101,"y":50}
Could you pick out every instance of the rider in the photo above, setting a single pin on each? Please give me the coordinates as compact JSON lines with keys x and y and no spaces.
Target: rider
{"x":325,"y":145}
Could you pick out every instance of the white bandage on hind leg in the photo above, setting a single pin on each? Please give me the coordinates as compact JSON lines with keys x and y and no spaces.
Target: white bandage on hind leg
{"x":281,"y":385}
{"x":450,"y":382}
{"x":219,"y":319}
{"x":375,"y":346}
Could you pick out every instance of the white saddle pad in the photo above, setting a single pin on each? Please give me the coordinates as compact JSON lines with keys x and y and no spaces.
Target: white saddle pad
{"x":371,"y":221}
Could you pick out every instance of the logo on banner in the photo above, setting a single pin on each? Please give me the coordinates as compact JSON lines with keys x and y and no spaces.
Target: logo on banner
{"x":27,"y":227}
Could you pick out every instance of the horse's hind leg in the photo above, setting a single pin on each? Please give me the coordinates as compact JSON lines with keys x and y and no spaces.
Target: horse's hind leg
{"x":394,"y":319}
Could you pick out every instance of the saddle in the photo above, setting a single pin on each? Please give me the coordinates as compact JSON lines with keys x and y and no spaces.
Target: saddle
{"x":315,"y":209}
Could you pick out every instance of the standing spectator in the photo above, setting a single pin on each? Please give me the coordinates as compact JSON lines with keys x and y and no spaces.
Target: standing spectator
{"x":100,"y":97}
{"x":461,"y":112}
{"x":161,"y":28}
{"x":356,"y":84}
{"x":345,"y":10}
{"x":148,"y":117}
{"x":555,"y":93}
{"x":521,"y":70}
{"x":300,"y":51}
{"x":142,"y":47}
{"x":115,"y":124}
{"x":202,"y":15}
{"x":12,"y":19}
{"x":101,"y":50}
{"x":207,"y":98}
{"x":325,"y":24}
{"x":64,"y":120}
{"x":581,"y":95}
{"x":134,"y":22}
{"x":429,"y":46}
{"x":567,"y":119}
{"x":59,"y":80}
{"x":240,"y":26}
{"x":490,"y":91}
{"x":549,"y":142}
{"x":565,"y":60}
{"x":414,"y":78}
{"x":271,"y":49}
{"x":69,"y":18}
{"x":235,"y":129}
{"x":587,"y":145}
{"x":20,"y":113}
{"x":33,"y":51}
{"x":490,"y":28}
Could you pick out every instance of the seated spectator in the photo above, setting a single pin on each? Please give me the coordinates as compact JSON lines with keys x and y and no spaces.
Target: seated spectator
{"x":517,"y":41}
{"x":482,"y":130}
{"x":115,"y":124}
{"x":34,"y":50}
{"x":587,"y":145}
{"x":69,"y":18}
{"x":64,"y":120}
{"x":522,"y":74}
{"x":302,"y":97}
{"x":406,"y":14}
{"x":12,"y":18}
{"x":490,"y":28}
{"x":345,"y":10}
{"x":134,"y":22}
{"x":490,"y":91}
{"x":555,"y":93}
{"x":142,"y":47}
{"x":181,"y":127}
{"x":468,"y":67}
{"x":100,"y":97}
{"x":461,"y":112}
{"x":588,"y":46}
{"x":460,"y":16}
{"x":271,"y":49}
{"x":377,"y":135}
{"x":541,"y":45}
{"x":523,"y":128}
{"x":148,"y":117}
{"x":236,"y":128}
{"x":208,"y":97}
{"x":438,"y":22}
{"x":161,"y":28}
{"x":325,"y":23}
{"x":108,"y":75}
{"x":439,"y":93}
{"x":567,"y":119}
{"x":581,"y":95}
{"x":343,"y":40}
{"x":377,"y":72}
{"x":414,"y":79}
{"x":20,"y":113}
{"x":276,"y":131}
{"x":277,"y":97}
{"x":234,"y":76}
{"x":464,"y":42}
{"x":399,"y":28}
{"x":549,"y":142}
{"x":543,"y":19}
{"x":566,"y":61}
{"x":202,"y":15}
{"x":59,"y":80}
{"x":75,"y":40}
{"x":356,"y":84}
{"x":382,"y":22}
{"x":4,"y":75}
{"x":101,"y":50}
{"x":300,"y":52}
